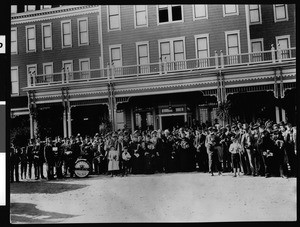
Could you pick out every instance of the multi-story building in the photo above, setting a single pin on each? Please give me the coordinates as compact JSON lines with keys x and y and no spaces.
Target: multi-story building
{"x":149,"y":66}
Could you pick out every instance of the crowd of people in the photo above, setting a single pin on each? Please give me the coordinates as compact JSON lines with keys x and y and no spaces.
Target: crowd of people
{"x":258,"y":149}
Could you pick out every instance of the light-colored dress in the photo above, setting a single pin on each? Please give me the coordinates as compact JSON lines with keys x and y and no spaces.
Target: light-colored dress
{"x":113,"y":160}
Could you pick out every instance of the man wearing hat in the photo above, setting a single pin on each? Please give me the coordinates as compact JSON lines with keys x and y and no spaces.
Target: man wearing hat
{"x":210,"y":143}
{"x":49,"y":158}
{"x":266,"y":147}
{"x":247,"y":155}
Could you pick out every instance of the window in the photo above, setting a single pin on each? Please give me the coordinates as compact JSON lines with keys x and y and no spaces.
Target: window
{"x":200,"y":12}
{"x":14,"y":41}
{"x":255,"y":14}
{"x":29,"y":8}
{"x":84,"y":66}
{"x":68,"y":68}
{"x":232,"y":47}
{"x":280,"y":12}
{"x":13,"y":9}
{"x":169,"y":13}
{"x":256,"y":48}
{"x":66,"y":33}
{"x":202,"y":50}
{"x":172,"y":53}
{"x":32,"y":72}
{"x":115,"y":55}
{"x":14,"y":80}
{"x":47,"y":72}
{"x":143,"y":57}
{"x":284,"y":44}
{"x":83,"y":34}
{"x":140,"y":13}
{"x":46,"y":6}
{"x":114,"y":22}
{"x":30,"y":39}
{"x":229,"y":10}
{"x":47,"y":36}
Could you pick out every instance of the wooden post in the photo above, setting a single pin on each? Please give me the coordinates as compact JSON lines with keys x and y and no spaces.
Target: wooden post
{"x":273,"y":53}
{"x":216,"y":59}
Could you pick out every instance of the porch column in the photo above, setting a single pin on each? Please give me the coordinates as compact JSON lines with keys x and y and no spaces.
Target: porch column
{"x":132,"y":119}
{"x":69,"y":121}
{"x":112,"y":106}
{"x":277,"y":114}
{"x":65,"y":123}
{"x":283,"y":115}
{"x":31,"y":125}
{"x":154,"y":119}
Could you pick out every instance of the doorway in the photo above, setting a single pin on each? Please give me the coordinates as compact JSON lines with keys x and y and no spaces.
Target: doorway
{"x":168,"y":122}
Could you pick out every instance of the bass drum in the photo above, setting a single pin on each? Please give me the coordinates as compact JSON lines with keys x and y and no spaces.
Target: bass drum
{"x":82,"y":168}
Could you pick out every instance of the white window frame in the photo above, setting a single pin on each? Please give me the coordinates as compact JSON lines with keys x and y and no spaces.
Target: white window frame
{"x":87,"y":31}
{"x":118,"y":71}
{"x":16,"y":30}
{"x":15,"y":68}
{"x":286,"y":13}
{"x":254,"y":54}
{"x":143,"y":68}
{"x":27,"y":71}
{"x":230,"y":14}
{"x":288,"y":37}
{"x":135,"y":17}
{"x":43,"y":36}
{"x":13,"y":9}
{"x":27,"y":6}
{"x":206,"y":61}
{"x":259,"y":14}
{"x":171,"y":66}
{"x":108,"y":20}
{"x":85,"y":75}
{"x":239,"y":42}
{"x":200,"y":18}
{"x":46,"y":6}
{"x":113,"y":47}
{"x":62,"y":34}
{"x":170,"y":15}
{"x":26,"y":29}
{"x":71,"y":75}
{"x":46,"y":77}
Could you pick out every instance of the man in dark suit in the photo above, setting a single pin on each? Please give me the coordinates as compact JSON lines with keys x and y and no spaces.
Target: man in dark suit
{"x":29,"y":152}
{"x":49,"y":158}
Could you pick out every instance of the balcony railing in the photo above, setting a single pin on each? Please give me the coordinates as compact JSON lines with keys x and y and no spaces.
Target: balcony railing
{"x":164,"y":68}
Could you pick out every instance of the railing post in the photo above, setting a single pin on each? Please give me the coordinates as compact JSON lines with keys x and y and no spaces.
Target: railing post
{"x":216,"y":59}
{"x":113,"y":70}
{"x":222,"y":59}
{"x":279,"y":52}
{"x":63,"y":75}
{"x":108,"y":71}
{"x":165,"y":65}
{"x":273,"y":53}
{"x":33,"y":78}
{"x":160,"y":66}
{"x":29,"y":80}
{"x":67,"y":75}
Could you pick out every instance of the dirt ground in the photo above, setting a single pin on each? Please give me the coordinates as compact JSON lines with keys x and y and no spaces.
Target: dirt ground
{"x":176,"y":197}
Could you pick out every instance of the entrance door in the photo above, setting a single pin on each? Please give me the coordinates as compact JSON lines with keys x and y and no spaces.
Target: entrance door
{"x":168,"y":122}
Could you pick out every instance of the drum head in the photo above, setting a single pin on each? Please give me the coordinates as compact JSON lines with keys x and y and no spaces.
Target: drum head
{"x":82,"y":168}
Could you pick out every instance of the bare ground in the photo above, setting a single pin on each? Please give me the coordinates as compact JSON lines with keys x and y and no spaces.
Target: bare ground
{"x":177,"y":197}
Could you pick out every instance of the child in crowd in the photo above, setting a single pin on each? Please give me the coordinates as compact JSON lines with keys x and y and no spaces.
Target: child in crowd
{"x":235,"y":149}
{"x":126,"y":158}
{"x":113,"y":161}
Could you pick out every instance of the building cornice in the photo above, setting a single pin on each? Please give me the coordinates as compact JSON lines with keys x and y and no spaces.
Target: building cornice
{"x":53,"y":13}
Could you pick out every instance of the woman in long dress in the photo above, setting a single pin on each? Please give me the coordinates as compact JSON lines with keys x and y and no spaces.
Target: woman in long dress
{"x":113,"y":160}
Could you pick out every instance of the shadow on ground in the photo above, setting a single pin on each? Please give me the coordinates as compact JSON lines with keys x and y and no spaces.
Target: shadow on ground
{"x":28,"y":213}
{"x":43,"y":187}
